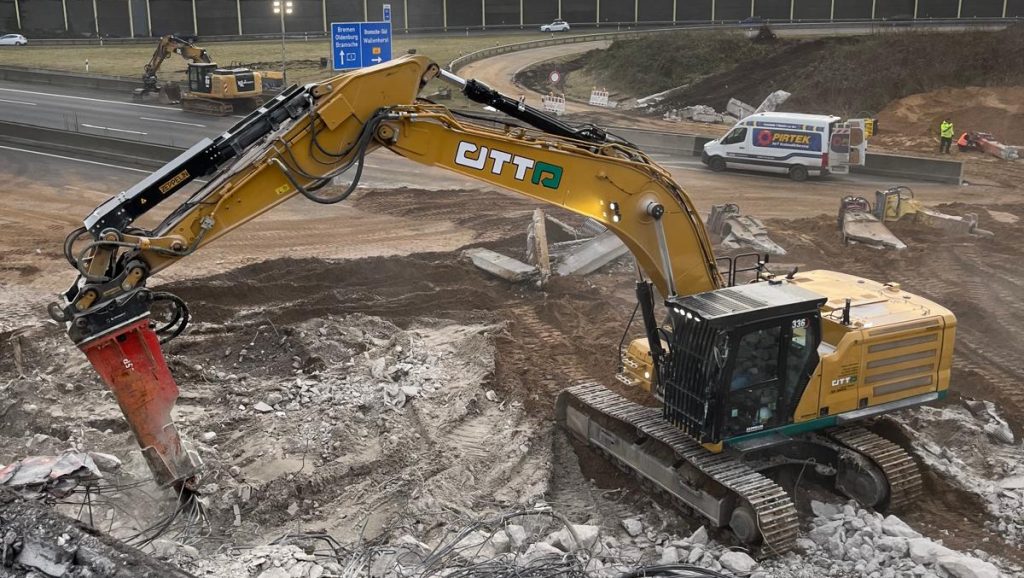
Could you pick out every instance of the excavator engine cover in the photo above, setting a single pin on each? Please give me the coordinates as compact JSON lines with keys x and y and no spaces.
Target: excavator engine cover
{"x":133,"y":366}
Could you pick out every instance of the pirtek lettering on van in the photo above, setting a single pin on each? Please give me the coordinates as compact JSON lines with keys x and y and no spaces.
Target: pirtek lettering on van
{"x":477,"y":157}
{"x":787,"y":139}
{"x":791,"y":138}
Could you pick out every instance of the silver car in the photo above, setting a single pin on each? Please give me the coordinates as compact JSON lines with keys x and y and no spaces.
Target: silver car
{"x":13,"y":40}
{"x":556,"y":26}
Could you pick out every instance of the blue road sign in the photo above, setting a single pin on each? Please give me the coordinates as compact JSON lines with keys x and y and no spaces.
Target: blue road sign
{"x":387,"y":13}
{"x":360,"y":44}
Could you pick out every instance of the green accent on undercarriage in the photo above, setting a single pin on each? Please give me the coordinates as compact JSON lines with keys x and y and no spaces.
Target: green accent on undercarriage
{"x":789,"y":430}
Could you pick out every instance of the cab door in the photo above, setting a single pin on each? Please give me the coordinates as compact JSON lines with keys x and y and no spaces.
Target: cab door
{"x":839,"y":148}
{"x":735,"y":145}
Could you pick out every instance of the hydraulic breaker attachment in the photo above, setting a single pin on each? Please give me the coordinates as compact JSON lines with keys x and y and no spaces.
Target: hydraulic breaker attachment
{"x":132,"y":364}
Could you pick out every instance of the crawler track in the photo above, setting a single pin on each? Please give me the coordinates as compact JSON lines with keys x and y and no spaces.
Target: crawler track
{"x":776,"y":514}
{"x":899,"y":468}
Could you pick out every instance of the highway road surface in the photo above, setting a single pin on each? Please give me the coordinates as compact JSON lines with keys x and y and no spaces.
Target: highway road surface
{"x":106,"y":114}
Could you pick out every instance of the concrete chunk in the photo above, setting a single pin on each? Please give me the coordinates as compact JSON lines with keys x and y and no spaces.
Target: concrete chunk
{"x":501,"y":266}
{"x":591,"y":256}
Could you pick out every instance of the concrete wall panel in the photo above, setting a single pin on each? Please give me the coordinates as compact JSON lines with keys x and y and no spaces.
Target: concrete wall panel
{"x":982,"y":9}
{"x":937,"y":9}
{"x":171,"y":16}
{"x":585,"y":11}
{"x":537,"y":12}
{"x":812,"y":9}
{"x":617,"y":11}
{"x":462,"y":13}
{"x":9,"y":19}
{"x":217,"y":17}
{"x":139,"y":17}
{"x":853,"y":9}
{"x":656,"y":10}
{"x":425,"y":14}
{"x":891,"y":8}
{"x":1015,"y":8}
{"x":693,"y":10}
{"x":735,"y":10}
{"x":772,"y":9}
{"x":113,"y":15}
{"x":41,"y":15}
{"x":502,"y":13}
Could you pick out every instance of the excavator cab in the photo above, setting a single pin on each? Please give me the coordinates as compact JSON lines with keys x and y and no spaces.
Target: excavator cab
{"x":199,"y":77}
{"x":740,"y":359}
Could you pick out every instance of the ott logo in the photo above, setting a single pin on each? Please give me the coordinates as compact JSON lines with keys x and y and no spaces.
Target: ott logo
{"x":477,"y":157}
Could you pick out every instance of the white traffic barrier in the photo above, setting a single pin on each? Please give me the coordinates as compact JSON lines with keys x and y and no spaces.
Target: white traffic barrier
{"x":553,"y":103}
{"x":598,"y":97}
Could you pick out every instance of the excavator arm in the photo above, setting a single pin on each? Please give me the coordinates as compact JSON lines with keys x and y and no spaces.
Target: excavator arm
{"x":171,"y":44}
{"x":297,"y":144}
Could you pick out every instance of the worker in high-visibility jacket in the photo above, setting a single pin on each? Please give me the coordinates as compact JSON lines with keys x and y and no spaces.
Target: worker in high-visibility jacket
{"x":945,"y":136}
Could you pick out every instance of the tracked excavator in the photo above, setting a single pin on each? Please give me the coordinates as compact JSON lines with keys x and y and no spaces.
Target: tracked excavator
{"x":743,"y":382}
{"x":210,"y":89}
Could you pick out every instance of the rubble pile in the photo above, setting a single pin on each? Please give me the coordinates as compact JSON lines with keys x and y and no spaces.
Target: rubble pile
{"x":850,"y":541}
{"x":975,"y":449}
{"x":844,"y":540}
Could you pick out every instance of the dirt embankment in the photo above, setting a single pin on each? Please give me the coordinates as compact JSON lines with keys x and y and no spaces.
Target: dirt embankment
{"x":846,"y":76}
{"x":997,"y":110}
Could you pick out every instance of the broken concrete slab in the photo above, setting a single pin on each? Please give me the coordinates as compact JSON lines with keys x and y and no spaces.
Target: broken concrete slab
{"x":591,"y":256}
{"x":537,"y":244}
{"x":739,"y":109}
{"x":741,"y":231}
{"x":499,"y":265}
{"x":860,"y":227}
{"x":965,"y":225}
{"x":48,"y":542}
{"x":858,"y":224}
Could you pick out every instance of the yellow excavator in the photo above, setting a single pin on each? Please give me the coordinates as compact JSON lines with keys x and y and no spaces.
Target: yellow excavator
{"x":744,"y":383}
{"x":210,"y":89}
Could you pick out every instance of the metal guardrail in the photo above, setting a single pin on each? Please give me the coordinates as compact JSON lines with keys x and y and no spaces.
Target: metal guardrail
{"x":879,"y":25}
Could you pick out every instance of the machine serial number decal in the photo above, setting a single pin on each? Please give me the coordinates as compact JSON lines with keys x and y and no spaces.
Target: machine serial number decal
{"x":175,"y":181}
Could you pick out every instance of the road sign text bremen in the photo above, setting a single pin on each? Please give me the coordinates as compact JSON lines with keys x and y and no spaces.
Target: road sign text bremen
{"x":359,"y":44}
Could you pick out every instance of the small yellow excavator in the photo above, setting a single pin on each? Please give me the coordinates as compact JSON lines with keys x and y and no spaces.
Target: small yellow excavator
{"x":746,"y":383}
{"x":210,"y":89}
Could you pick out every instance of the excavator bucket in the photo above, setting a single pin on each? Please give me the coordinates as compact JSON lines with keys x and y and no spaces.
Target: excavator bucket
{"x":170,"y":93}
{"x":133,"y":366}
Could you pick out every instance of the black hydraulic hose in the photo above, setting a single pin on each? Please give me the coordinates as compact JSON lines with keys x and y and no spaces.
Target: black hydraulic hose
{"x":69,"y":241}
{"x":320,"y":181}
{"x":179,"y":318}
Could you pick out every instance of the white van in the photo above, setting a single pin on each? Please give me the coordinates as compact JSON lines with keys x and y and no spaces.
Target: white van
{"x":788,"y":142}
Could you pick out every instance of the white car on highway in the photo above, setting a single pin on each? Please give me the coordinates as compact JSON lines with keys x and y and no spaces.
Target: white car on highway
{"x":556,"y":26}
{"x":13,"y":40}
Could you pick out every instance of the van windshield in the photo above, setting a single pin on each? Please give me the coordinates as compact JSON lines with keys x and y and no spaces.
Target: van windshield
{"x":736,"y":135}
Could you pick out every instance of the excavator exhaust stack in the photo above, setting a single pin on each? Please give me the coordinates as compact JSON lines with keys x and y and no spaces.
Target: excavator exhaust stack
{"x":133,"y":367}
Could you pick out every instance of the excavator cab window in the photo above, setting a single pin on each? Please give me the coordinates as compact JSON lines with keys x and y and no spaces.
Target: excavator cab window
{"x":771,"y":367}
{"x":739,"y":358}
{"x":199,"y":77}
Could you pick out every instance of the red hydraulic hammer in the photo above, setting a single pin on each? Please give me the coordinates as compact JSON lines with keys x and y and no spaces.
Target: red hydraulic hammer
{"x":132,"y":364}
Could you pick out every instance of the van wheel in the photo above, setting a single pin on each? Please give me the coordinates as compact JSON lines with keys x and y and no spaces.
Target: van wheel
{"x":716,"y":164}
{"x":798,"y":173}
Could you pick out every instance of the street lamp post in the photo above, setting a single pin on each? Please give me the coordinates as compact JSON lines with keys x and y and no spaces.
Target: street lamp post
{"x":281,"y":8}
